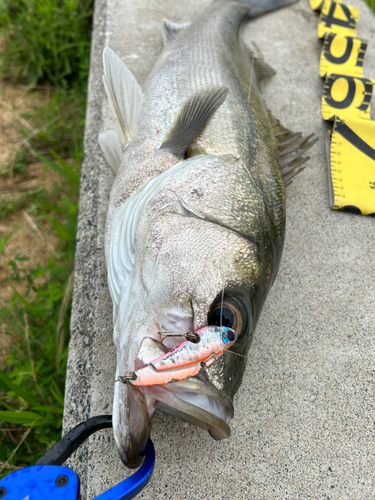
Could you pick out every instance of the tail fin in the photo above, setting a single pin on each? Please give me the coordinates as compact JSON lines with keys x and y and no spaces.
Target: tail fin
{"x":259,"y":7}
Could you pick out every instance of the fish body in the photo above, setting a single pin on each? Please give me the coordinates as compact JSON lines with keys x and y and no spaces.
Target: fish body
{"x":196,"y":218}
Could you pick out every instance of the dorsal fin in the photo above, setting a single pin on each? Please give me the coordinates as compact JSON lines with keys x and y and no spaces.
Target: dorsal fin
{"x":291,"y":148}
{"x":124,"y":94}
{"x":112,"y":148}
{"x":193,"y":117}
{"x":169,"y":29}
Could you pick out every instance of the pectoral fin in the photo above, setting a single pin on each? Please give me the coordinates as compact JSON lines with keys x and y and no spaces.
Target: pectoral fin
{"x":193,"y":117}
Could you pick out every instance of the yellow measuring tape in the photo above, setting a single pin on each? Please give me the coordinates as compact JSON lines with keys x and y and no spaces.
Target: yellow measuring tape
{"x":352,"y":162}
{"x":337,"y":18}
{"x":318,"y":4}
{"x":347,"y":97}
{"x":342,"y":55}
{"x":346,"y":101}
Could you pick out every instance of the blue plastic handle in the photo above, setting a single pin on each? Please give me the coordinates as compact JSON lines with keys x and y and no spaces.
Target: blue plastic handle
{"x":42,"y":482}
{"x":52,"y":482}
{"x":134,"y":484}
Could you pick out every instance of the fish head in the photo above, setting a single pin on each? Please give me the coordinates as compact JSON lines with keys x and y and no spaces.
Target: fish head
{"x":196,"y":261}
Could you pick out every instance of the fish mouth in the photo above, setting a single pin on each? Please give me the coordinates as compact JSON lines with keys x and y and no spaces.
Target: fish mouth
{"x":194,"y":400}
{"x":131,"y":423}
{"x":197,"y":402}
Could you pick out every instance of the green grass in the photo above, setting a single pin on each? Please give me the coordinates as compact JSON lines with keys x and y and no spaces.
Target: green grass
{"x":371,"y":4}
{"x":46,"y":40}
{"x":48,"y":45}
{"x":8,"y":207}
{"x":38,"y":323}
{"x":58,"y":124}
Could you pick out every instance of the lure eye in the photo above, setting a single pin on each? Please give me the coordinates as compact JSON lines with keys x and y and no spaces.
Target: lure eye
{"x":230,"y":336}
{"x":230,"y":313}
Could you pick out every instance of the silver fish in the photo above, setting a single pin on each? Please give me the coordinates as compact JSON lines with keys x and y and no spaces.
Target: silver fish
{"x":196,"y":217}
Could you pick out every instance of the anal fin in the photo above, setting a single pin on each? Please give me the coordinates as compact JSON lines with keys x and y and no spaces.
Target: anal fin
{"x":292,"y":146}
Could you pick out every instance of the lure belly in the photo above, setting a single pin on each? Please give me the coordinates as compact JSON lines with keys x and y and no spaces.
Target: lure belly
{"x":186,"y":360}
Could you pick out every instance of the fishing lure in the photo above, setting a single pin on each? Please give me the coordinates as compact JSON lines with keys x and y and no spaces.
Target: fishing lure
{"x":201,"y":349}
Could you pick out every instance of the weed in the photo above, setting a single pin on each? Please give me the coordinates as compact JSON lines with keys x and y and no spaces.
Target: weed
{"x":20,"y":164}
{"x":371,"y":4}
{"x":46,"y":40}
{"x":57,"y":123}
{"x":3,"y":242}
{"x":10,"y":206}
{"x":31,"y":391}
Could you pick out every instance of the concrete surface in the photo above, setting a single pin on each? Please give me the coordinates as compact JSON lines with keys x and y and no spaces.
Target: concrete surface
{"x":304,"y":416}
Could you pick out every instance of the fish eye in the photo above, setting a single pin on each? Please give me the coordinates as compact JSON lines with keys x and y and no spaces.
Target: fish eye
{"x":230,"y":313}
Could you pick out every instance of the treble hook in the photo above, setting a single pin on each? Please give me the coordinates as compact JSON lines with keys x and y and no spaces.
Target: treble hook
{"x":125,"y":379}
{"x":190,"y":336}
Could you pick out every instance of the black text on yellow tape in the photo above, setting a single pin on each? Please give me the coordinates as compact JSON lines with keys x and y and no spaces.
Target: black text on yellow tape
{"x":318,"y":4}
{"x":338,"y":18}
{"x":352,"y":166}
{"x":342,"y":55}
{"x":346,"y":97}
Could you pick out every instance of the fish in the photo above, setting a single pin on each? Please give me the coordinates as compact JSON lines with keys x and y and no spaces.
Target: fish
{"x":196,"y":217}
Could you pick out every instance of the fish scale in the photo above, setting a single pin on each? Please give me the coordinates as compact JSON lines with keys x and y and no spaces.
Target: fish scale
{"x":187,"y":73}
